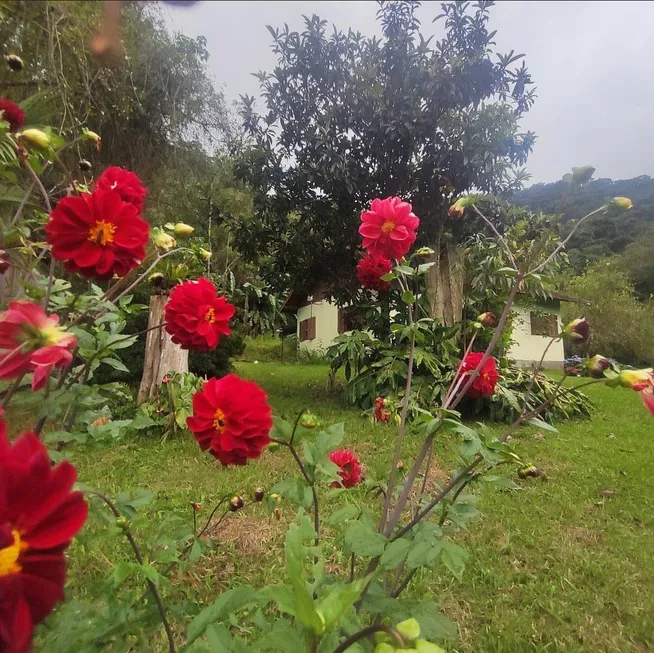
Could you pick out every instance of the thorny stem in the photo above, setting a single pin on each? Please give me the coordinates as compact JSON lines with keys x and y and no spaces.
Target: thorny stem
{"x":366,"y":632}
{"x":139,"y":559}
{"x":401,"y":428}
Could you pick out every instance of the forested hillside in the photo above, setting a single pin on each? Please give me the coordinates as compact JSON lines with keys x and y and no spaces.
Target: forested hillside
{"x":603,"y":235}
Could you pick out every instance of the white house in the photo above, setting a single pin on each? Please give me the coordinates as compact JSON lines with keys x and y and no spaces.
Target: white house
{"x":319,"y":322}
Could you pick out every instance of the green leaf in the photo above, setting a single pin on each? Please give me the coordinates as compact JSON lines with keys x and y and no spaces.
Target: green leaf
{"x":363,"y":540}
{"x":115,"y":363}
{"x":470,"y":447}
{"x":282,"y":637}
{"x":281,"y":429}
{"x":123,"y":571}
{"x":338,"y":600}
{"x":349,"y":511}
{"x":229,"y":601}
{"x":509,"y":272}
{"x":408,"y":297}
{"x":395,"y":553}
{"x":454,"y":558}
{"x":423,"y":553}
{"x":433,"y":624}
{"x":150,"y":573}
{"x":535,"y":421}
{"x":279,"y":594}
{"x":219,"y":639}
{"x":295,"y":490}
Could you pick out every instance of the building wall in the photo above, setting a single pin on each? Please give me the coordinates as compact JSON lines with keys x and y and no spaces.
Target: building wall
{"x":527,"y":348}
{"x":326,"y":315}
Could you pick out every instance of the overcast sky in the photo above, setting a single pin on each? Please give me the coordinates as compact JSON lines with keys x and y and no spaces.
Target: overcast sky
{"x":592,"y":63}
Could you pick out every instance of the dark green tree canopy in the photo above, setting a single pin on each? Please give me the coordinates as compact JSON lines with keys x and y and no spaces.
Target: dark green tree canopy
{"x":350,"y":118}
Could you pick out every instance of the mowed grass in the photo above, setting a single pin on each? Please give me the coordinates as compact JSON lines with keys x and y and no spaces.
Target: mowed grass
{"x":564,"y":564}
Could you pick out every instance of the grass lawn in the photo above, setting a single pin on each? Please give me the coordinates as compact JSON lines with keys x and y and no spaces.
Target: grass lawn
{"x":565,"y":564}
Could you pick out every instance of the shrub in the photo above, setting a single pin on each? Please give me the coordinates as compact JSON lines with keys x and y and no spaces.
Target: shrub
{"x":622,"y":327}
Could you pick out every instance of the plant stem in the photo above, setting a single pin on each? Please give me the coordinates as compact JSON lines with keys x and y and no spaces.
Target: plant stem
{"x":366,"y":632}
{"x":21,"y":206}
{"x":139,"y":559}
{"x":456,"y":380}
{"x":459,"y":477}
{"x":503,"y":242}
{"x":491,"y":346}
{"x":401,"y":429}
{"x":564,"y":243}
{"x":12,"y":390}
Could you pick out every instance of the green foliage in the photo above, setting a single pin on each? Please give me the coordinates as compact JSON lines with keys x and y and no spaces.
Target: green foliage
{"x":350,"y":118}
{"x":218,"y":361}
{"x":603,"y":235}
{"x":622,"y":328}
{"x":515,"y":391}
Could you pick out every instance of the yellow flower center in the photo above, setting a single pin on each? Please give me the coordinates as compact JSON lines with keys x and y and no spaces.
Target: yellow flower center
{"x":102,"y":232}
{"x":219,"y":421}
{"x":210,"y":316}
{"x":10,"y":554}
{"x":387,"y":227}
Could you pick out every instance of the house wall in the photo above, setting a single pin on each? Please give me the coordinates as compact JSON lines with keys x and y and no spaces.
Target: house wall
{"x":326,"y":315}
{"x":527,"y":348}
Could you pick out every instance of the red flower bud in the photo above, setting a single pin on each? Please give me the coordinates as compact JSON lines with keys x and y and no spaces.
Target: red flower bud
{"x":596,"y":365}
{"x":14,"y":62}
{"x":259,"y":494}
{"x":235,"y":503}
{"x":487,"y":319}
{"x":577,"y":331}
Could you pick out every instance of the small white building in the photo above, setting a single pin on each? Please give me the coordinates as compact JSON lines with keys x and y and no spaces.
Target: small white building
{"x":319,"y":322}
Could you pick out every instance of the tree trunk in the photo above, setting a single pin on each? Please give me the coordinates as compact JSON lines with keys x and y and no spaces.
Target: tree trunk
{"x":445,"y":283}
{"x":162,"y":355}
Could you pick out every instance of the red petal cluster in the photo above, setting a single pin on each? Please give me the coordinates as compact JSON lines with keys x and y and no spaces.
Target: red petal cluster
{"x":370,"y":269}
{"x":380,"y":412}
{"x":388,"y":228}
{"x":31,"y":341}
{"x":12,"y":114}
{"x":98,"y":234}
{"x":196,"y":317}
{"x":232,"y":419}
{"x":485,"y":382}
{"x":38,"y":517}
{"x":350,"y":467}
{"x":125,"y":183}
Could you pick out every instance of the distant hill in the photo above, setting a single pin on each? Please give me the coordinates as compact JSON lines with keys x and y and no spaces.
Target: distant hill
{"x":600,"y":235}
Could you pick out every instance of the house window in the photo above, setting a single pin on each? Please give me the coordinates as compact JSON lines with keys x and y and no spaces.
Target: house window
{"x":349,"y":320}
{"x":544,"y":324}
{"x":308,"y":329}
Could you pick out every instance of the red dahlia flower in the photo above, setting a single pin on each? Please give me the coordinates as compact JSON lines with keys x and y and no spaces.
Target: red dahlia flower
{"x":641,"y":381}
{"x":485,"y":382}
{"x":380,"y":412}
{"x":97,"y":234}
{"x":31,"y":341}
{"x":370,"y":270}
{"x":196,"y":317}
{"x":232,"y":419}
{"x":12,"y":114}
{"x":388,"y":228}
{"x":38,"y":517}
{"x":350,"y":467}
{"x":127,"y":184}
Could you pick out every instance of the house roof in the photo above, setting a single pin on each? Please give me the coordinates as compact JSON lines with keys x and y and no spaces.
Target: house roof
{"x":568,"y":298}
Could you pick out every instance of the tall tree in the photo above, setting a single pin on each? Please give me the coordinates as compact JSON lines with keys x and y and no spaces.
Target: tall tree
{"x":351,"y":118}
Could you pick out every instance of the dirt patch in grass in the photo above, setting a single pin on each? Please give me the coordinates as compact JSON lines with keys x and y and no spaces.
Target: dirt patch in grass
{"x":250,"y":535}
{"x":580,"y":536}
